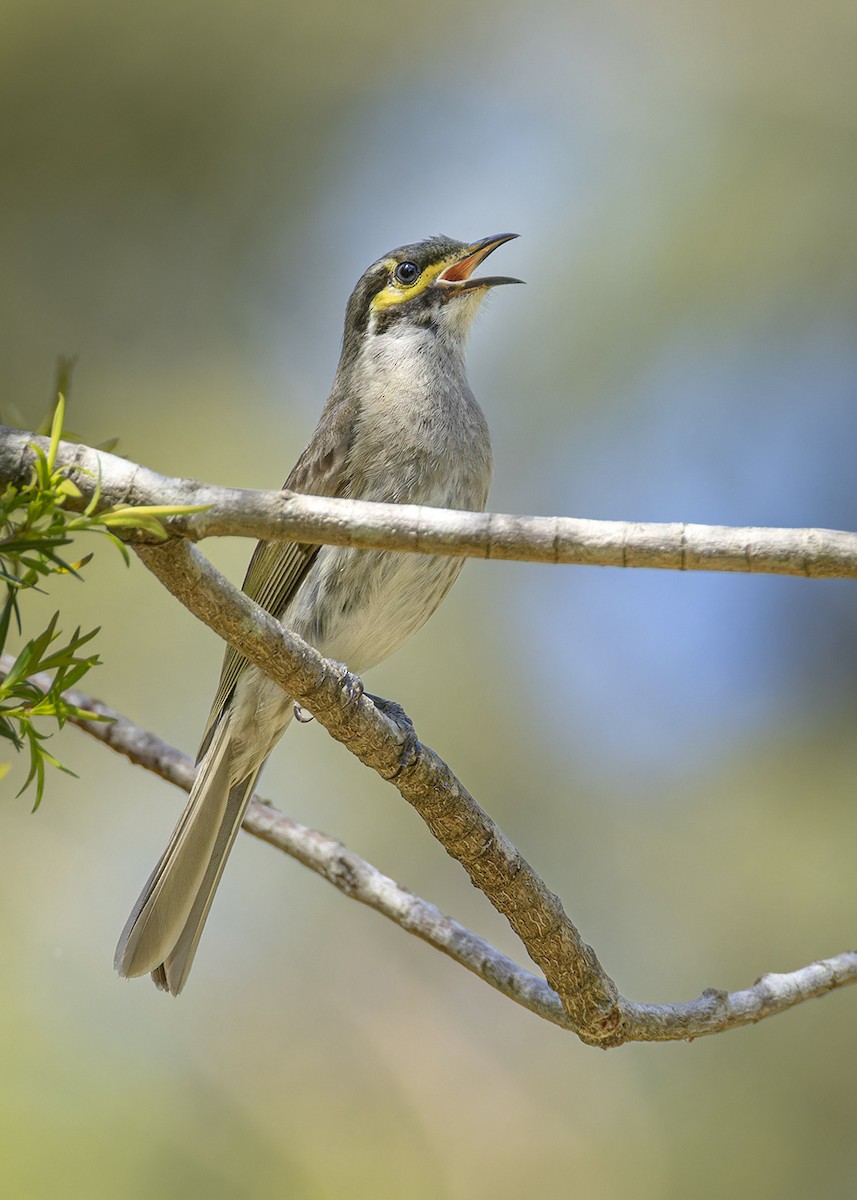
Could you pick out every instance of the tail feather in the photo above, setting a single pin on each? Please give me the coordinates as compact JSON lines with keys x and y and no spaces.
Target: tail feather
{"x":165,"y":923}
{"x":172,"y":973}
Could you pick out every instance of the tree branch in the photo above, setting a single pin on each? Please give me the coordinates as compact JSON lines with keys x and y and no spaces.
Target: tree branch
{"x":809,"y":553}
{"x":421,"y":777}
{"x":591,"y":1004}
{"x":713,"y":1012}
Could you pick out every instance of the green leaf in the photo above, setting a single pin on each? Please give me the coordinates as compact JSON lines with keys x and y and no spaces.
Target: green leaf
{"x":96,"y":497}
{"x":66,"y":487}
{"x":56,"y":430}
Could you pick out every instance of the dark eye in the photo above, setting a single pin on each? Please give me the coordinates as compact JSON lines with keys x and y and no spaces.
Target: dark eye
{"x":407,"y":272}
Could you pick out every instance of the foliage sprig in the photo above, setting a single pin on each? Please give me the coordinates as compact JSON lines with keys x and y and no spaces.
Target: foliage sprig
{"x":36,"y":525}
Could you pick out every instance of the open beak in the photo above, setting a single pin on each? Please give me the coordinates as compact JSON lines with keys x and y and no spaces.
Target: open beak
{"x":458,"y":276}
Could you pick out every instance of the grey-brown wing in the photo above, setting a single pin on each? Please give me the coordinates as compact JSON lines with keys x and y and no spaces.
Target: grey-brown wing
{"x":277,"y":568}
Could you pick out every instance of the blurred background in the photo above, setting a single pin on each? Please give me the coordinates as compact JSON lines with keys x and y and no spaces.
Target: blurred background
{"x":189,"y":192}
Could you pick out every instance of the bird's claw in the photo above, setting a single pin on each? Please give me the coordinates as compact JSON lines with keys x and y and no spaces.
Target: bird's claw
{"x":410,"y":741}
{"x":350,"y":683}
{"x":302,"y":715}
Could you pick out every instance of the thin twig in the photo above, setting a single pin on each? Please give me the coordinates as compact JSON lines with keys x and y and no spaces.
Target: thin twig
{"x":347,"y":871}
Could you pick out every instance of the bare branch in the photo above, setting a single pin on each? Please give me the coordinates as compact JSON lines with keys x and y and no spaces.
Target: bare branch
{"x":591,"y":1004}
{"x":716,"y":1011}
{"x":597,"y":1012}
{"x":809,"y":553}
{"x":713,"y":1012}
{"x":422,"y":778}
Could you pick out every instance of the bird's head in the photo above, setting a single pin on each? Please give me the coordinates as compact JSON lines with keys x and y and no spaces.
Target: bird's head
{"x":428,"y":284}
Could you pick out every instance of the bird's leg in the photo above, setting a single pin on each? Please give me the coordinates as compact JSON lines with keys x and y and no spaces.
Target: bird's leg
{"x":404,"y":724}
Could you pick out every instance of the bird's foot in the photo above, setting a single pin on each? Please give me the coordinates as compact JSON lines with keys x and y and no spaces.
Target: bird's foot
{"x":404,"y":724}
{"x":350,"y":683}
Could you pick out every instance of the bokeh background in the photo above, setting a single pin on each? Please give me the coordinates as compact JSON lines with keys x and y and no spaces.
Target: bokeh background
{"x":189,"y":191}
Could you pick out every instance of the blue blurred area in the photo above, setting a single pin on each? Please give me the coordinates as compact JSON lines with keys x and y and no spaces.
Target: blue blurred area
{"x":657,"y":669}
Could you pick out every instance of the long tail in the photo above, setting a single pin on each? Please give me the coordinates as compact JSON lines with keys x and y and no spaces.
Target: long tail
{"x":165,"y":925}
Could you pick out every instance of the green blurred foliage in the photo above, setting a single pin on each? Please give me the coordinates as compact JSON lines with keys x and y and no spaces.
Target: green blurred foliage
{"x":189,"y":191}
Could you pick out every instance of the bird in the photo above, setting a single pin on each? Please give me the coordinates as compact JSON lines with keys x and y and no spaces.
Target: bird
{"x":402,"y":426}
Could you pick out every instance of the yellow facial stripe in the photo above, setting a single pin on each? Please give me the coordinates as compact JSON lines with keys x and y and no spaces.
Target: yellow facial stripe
{"x":397,"y":293}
